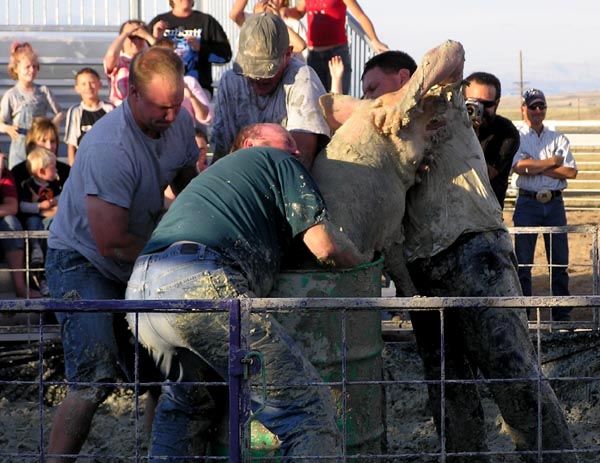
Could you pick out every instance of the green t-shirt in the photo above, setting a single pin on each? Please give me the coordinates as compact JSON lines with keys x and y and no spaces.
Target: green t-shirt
{"x":248,"y":206}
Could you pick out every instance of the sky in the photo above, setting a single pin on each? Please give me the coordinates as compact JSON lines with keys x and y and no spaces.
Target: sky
{"x":559,"y":39}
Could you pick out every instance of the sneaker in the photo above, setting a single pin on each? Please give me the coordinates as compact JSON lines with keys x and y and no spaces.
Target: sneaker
{"x":37,"y":256}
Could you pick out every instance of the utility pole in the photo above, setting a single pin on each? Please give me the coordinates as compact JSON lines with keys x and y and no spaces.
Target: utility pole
{"x":521,"y":72}
{"x":521,"y":83}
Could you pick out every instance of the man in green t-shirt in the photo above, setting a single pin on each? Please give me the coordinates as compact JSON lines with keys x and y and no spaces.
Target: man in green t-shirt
{"x":224,"y":237}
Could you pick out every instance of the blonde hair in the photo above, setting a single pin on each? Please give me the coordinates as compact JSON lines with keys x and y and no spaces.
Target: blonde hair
{"x":18,"y":51}
{"x":39,"y":127}
{"x":38,"y":159}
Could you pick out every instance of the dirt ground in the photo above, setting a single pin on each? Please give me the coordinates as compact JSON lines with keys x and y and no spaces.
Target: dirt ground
{"x":118,"y":434}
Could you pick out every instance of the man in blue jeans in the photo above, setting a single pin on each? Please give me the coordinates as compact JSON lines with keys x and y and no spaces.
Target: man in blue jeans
{"x":108,"y":209}
{"x":225,"y":237}
{"x":544,"y":162}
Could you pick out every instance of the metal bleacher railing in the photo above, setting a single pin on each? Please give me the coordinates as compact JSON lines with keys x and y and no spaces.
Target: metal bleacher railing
{"x":104,"y":16}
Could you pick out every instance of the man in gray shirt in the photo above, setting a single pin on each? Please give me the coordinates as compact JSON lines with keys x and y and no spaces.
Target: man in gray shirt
{"x":268,"y":85}
{"x":109,"y":207}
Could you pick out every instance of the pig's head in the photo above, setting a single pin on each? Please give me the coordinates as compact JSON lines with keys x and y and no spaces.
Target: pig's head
{"x":401,"y":124}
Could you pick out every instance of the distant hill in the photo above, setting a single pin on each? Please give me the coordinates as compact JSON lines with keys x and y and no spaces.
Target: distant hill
{"x":562,"y":106}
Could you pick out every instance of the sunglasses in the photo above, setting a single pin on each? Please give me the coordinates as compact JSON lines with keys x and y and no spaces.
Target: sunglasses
{"x":487,"y":104}
{"x":539,"y":106}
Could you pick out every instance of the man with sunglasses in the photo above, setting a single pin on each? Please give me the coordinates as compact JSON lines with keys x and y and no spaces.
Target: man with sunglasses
{"x":544,"y":162}
{"x":497,"y":135}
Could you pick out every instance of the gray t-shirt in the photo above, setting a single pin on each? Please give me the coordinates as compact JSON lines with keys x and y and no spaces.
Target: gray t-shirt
{"x":19,"y":108}
{"x":294,"y":104}
{"x":119,"y":164}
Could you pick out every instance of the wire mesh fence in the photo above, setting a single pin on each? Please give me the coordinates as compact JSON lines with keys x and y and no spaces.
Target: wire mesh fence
{"x":378,"y":391}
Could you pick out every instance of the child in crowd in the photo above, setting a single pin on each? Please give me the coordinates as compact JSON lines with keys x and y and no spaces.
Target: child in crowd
{"x":133,"y":37}
{"x":39,"y":195}
{"x":26,"y":100}
{"x":13,"y":248}
{"x":336,"y":71}
{"x":196,"y":100}
{"x":43,"y":133}
{"x":81,"y":117}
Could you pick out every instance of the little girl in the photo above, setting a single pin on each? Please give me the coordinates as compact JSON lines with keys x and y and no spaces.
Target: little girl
{"x":24,"y":101}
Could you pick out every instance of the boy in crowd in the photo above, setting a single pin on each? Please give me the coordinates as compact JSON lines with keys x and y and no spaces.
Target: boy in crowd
{"x":81,"y":117}
{"x":38,"y":196}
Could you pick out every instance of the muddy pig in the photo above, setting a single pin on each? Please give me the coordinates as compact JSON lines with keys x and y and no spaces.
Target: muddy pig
{"x":375,"y":153}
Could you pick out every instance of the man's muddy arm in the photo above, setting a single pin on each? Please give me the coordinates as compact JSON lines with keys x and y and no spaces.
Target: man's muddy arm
{"x":332,"y":248}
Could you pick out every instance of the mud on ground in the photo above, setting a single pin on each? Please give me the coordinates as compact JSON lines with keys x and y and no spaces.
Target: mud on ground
{"x":410,"y":429}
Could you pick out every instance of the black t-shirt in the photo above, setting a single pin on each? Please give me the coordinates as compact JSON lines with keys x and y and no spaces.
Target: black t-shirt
{"x":500,"y":142}
{"x":214,"y":45}
{"x":88,"y":119}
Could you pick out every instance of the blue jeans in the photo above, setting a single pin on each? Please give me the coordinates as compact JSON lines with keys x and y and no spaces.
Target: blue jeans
{"x":319,"y":61}
{"x":302,"y":417}
{"x":96,"y":345}
{"x":10,"y":223}
{"x":530,"y":212}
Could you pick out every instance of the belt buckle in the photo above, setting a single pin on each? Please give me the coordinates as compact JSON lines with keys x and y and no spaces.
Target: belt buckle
{"x":543,"y":196}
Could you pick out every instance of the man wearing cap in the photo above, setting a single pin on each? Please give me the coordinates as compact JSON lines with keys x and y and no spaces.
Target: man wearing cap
{"x":498,"y":136}
{"x":544,"y":162}
{"x":268,"y":85}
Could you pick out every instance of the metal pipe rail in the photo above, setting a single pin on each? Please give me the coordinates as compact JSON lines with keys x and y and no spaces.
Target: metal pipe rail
{"x":106,"y":15}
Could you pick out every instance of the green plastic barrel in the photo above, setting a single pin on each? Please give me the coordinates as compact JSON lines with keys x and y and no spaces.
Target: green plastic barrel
{"x":319,"y":333}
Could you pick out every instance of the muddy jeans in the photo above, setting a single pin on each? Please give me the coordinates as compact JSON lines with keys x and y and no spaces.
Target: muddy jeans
{"x":302,"y":417}
{"x":97,"y":346}
{"x":494,"y":341}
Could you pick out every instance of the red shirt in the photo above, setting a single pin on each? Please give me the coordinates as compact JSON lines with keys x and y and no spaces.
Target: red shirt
{"x":8,"y":188}
{"x":326,"y":23}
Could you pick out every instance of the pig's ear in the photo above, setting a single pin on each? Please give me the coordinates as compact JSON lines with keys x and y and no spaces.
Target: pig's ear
{"x":337,"y":109}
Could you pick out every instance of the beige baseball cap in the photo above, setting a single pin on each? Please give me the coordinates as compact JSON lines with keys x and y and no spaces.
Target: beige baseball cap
{"x":262,"y":46}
